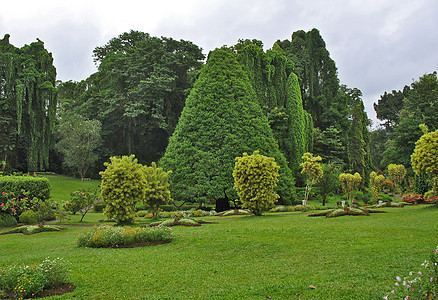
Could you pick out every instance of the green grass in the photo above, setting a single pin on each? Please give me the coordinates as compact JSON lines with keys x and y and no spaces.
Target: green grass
{"x":247,"y":257}
{"x":62,"y":186}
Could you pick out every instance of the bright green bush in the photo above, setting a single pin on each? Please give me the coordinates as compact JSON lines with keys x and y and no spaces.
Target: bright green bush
{"x":28,"y":217}
{"x":157,"y":188}
{"x":255,"y":177}
{"x":349,"y":184}
{"x":123,"y":185}
{"x":105,"y":236}
{"x":376,"y":185}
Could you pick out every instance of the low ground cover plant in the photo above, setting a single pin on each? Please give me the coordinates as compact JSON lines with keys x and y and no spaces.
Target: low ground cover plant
{"x":105,"y":236}
{"x":32,"y":229}
{"x":28,"y":281}
{"x":421,"y":284}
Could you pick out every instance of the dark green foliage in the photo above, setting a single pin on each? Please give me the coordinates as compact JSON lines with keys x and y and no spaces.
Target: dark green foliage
{"x":279,"y":95}
{"x":28,"y":100}
{"x":7,"y":220}
{"x":26,"y":186}
{"x":138,"y":92}
{"x":255,"y":178}
{"x":221,"y":120}
{"x":389,"y":106}
{"x":329,"y":182}
{"x":420,"y":108}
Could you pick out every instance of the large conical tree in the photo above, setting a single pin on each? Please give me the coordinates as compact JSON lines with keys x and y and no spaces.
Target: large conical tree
{"x":220,"y":121}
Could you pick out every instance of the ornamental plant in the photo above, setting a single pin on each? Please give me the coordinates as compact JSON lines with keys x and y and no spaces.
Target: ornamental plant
{"x":425,"y":157}
{"x":255,"y":178}
{"x":421,"y":284}
{"x":82,"y":201}
{"x":312,"y":169}
{"x":157,"y":188}
{"x":30,"y":280}
{"x":123,"y":185}
{"x":349,"y":184}
{"x":376,"y":185}
{"x":397,"y":174}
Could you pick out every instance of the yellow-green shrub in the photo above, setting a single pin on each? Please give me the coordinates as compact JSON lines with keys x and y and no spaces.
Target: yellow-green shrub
{"x":255,"y":177}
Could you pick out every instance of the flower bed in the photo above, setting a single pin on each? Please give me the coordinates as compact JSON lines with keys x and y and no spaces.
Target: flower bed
{"x":32,"y":280}
{"x":105,"y":236}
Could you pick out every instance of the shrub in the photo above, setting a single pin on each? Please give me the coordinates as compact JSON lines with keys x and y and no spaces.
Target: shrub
{"x":105,"y":236}
{"x":26,"y":186}
{"x":397,"y":174}
{"x":123,"y":185}
{"x":255,"y":177}
{"x":28,"y":281}
{"x":28,"y":217}
{"x":82,"y":201}
{"x":413,"y":198}
{"x":99,"y":207}
{"x":157,"y":188}
{"x":349,"y":184}
{"x":313,"y":171}
{"x":7,"y":220}
{"x":376,"y":185}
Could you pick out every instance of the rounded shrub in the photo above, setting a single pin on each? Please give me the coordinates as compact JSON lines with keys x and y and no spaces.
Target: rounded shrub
{"x":28,"y":217}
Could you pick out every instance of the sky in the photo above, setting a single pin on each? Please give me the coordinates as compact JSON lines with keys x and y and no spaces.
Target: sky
{"x":377,"y":45}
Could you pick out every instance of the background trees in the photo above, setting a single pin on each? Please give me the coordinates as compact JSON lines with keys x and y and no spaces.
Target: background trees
{"x":221,"y":120}
{"x":28,"y":101}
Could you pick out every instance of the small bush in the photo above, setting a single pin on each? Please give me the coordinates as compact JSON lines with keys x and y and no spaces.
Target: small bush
{"x":28,"y":217}
{"x":105,"y":236}
{"x":30,"y":280}
{"x":7,"y":220}
{"x":99,"y":207}
{"x":413,"y":198}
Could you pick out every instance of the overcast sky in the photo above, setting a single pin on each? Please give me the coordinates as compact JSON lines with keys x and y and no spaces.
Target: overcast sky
{"x":378,"y":45}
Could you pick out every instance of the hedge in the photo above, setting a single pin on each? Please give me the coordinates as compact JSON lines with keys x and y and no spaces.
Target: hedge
{"x":26,"y":186}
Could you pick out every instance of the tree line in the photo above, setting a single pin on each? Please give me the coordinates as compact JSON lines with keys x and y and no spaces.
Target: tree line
{"x":151,"y":94}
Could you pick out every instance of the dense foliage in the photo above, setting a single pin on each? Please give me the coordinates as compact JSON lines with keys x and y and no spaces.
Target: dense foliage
{"x":313,"y":171}
{"x":123,"y":185}
{"x":349,"y":184}
{"x":255,"y":178}
{"x":25,"y":186}
{"x":221,"y":120}
{"x":157,"y":190}
{"x":376,"y":185}
{"x":28,"y":101}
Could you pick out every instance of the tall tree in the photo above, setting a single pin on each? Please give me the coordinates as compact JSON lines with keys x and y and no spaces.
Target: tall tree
{"x":28,"y":100}
{"x":389,"y":106}
{"x":221,"y":120}
{"x":138,"y":92}
{"x":278,"y":92}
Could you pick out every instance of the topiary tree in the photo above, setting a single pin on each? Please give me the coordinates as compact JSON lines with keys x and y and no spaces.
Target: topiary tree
{"x":123,"y":185}
{"x":376,"y":185}
{"x":425,"y":157}
{"x":255,"y":177}
{"x":397,"y":174}
{"x":349,"y":184}
{"x":157,"y":188}
{"x":221,"y":120}
{"x":312,"y":170}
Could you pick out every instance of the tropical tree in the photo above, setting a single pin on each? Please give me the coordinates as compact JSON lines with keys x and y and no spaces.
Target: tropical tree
{"x":28,"y":99}
{"x":255,"y":178}
{"x":221,"y":120}
{"x":312,"y":170}
{"x":78,"y":140}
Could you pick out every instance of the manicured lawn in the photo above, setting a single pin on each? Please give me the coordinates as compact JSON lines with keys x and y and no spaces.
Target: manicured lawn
{"x":62,"y":186}
{"x":277,"y":255}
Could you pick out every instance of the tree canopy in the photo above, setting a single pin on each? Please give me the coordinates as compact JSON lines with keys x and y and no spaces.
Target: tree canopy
{"x":220,"y":121}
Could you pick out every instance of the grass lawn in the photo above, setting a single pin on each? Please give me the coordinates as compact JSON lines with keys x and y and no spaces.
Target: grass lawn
{"x":62,"y":186}
{"x":277,"y":256}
